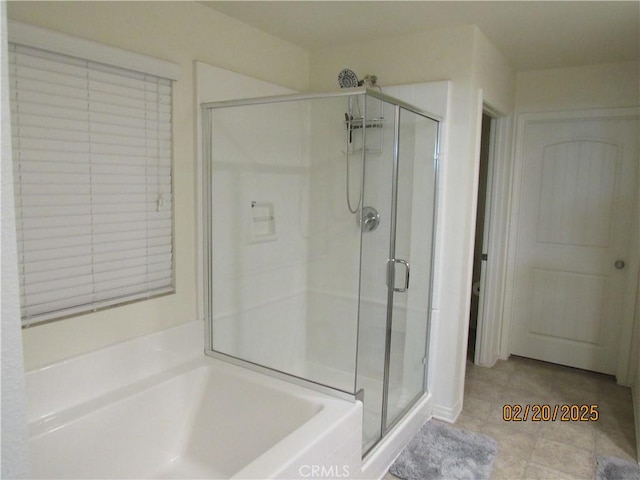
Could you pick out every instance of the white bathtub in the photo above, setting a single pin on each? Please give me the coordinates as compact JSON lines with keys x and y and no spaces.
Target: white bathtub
{"x":199,"y":418}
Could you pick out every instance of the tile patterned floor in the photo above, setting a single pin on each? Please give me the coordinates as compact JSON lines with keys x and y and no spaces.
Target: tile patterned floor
{"x":547,"y":450}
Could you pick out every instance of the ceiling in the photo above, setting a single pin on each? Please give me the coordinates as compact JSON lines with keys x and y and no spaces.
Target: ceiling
{"x":531,"y":34}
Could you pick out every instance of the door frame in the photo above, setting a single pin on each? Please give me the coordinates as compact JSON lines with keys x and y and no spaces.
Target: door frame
{"x":624,"y":371}
{"x":492,"y":284}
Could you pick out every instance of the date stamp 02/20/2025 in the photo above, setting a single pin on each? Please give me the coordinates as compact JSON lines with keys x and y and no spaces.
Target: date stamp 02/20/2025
{"x":550,"y":413}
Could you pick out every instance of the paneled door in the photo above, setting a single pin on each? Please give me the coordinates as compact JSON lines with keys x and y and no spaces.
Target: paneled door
{"x":577,"y":212}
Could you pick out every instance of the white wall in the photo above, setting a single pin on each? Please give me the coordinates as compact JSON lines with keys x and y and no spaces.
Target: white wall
{"x":13,"y":408}
{"x":180,"y":32}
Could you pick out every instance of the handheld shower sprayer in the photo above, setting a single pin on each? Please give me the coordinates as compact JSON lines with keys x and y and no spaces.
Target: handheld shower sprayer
{"x":371,"y":81}
{"x":347,"y":78}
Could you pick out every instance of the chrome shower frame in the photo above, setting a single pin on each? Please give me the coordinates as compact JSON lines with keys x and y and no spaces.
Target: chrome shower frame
{"x":311,"y":96}
{"x":207,"y":112}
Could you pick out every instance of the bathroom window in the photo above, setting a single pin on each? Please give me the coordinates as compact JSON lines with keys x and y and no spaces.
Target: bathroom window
{"x":92,"y":153}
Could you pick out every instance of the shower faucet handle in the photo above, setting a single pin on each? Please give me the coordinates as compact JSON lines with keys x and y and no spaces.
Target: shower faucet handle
{"x":370,"y":219}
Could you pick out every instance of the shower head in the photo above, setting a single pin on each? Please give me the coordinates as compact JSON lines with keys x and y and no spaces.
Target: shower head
{"x":348,"y":79}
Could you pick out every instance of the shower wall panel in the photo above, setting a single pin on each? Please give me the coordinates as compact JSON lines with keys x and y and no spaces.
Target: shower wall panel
{"x":260,"y":191}
{"x":334,"y":249}
{"x":285,"y":249}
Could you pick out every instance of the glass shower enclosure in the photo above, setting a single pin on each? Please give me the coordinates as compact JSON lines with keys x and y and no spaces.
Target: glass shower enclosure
{"x":319,"y":219}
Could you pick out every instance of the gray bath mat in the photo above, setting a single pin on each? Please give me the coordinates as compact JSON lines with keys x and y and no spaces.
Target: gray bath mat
{"x":612,"y":468}
{"x":439,"y":451}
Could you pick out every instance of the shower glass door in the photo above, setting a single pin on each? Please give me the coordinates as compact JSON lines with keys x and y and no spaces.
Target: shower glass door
{"x":411,"y":289}
{"x":400,"y":182}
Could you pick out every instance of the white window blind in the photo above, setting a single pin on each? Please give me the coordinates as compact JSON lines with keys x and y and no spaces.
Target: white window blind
{"x":92,"y":166}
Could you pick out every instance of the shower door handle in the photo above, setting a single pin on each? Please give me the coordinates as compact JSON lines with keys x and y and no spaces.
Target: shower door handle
{"x":391,"y":274}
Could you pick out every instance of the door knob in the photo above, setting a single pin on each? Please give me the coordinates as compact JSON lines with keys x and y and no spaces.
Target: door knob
{"x":619,"y":264}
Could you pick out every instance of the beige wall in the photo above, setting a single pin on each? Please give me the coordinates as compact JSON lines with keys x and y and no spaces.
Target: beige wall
{"x":494,"y":75}
{"x":592,"y":86}
{"x":433,"y":55}
{"x":180,"y":32}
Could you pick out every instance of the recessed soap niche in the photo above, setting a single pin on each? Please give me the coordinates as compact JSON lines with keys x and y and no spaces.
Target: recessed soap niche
{"x":262,"y":222}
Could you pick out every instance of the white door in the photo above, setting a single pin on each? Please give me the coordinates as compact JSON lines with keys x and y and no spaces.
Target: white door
{"x":576,"y":216}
